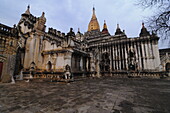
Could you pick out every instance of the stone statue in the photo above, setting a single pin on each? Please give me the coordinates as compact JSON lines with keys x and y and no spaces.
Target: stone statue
{"x":67,"y":73}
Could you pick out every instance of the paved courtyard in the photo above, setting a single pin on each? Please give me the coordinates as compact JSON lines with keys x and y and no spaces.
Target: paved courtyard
{"x":87,"y":95}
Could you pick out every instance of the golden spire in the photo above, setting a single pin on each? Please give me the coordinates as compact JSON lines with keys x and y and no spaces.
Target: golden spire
{"x":94,"y":15}
{"x":93,"y":25}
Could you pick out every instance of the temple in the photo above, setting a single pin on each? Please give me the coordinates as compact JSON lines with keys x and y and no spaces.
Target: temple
{"x":41,"y":53}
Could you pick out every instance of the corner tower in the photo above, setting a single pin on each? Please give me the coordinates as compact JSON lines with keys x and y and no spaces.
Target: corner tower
{"x":105,"y":30}
{"x":144,"y":31}
{"x":93,"y":25}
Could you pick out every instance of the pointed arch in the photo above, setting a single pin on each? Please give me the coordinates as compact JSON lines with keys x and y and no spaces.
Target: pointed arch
{"x":167,"y":66}
{"x":49,"y":66}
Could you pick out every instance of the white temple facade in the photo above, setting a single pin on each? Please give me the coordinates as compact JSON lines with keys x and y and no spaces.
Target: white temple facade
{"x":95,"y":53}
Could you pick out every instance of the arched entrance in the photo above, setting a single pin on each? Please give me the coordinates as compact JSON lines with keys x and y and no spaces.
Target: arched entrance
{"x":167,"y":67}
{"x":32,"y":66}
{"x":105,"y":62}
{"x":49,"y":66}
{"x":1,"y":66}
{"x":131,"y":59}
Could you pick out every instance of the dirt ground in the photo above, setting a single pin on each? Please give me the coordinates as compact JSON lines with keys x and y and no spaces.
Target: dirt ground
{"x":87,"y":95}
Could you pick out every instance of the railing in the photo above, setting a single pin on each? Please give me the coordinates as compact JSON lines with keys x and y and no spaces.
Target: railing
{"x":5,"y":29}
{"x":8,"y":31}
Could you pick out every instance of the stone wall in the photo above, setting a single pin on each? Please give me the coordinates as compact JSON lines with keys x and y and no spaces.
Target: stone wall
{"x":8,"y":51}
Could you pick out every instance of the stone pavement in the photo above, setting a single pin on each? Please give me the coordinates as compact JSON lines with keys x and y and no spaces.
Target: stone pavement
{"x":97,"y":95}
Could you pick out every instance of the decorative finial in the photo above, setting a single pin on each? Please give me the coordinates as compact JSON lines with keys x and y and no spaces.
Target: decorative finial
{"x":93,"y":9}
{"x":104,"y":26}
{"x":78,"y":29}
{"x":143,"y":24}
{"x":117,"y":26}
{"x":28,"y":10}
{"x":28,"y":7}
{"x":71,"y":29}
{"x":144,"y":31}
{"x":118,"y":30}
{"x":43,"y":14}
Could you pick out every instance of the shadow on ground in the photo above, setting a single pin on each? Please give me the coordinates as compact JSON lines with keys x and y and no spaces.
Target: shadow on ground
{"x":97,"y":95}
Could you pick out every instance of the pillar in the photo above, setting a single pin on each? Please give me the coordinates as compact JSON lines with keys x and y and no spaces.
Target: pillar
{"x":147,"y":55}
{"x":116,"y":63}
{"x":157,"y":57}
{"x":125,"y":55}
{"x":139,"y":56}
{"x":144,"y":55}
{"x":152,"y":55}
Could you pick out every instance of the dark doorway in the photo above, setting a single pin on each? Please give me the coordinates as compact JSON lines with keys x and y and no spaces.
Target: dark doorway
{"x":105,"y":62}
{"x":49,"y":66}
{"x":167,"y":67}
{"x":1,"y":66}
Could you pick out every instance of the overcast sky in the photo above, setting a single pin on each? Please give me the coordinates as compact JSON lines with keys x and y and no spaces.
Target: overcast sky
{"x":63,"y":14}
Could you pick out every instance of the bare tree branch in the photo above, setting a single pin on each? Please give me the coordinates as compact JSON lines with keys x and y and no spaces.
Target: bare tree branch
{"x":152,"y":3}
{"x":160,"y":21}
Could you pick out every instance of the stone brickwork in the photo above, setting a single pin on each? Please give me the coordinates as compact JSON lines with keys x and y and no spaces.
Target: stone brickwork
{"x":8,"y":50}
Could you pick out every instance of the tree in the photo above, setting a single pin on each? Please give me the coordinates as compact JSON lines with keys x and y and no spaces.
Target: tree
{"x":160,"y":21}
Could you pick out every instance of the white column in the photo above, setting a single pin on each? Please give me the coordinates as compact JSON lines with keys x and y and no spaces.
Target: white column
{"x":81,"y":63}
{"x":139,"y":57}
{"x":116,"y":57}
{"x":92,"y":68}
{"x":147,"y":56}
{"x":115,"y":67}
{"x":113,"y":51}
{"x":119,"y":56}
{"x":154,"y":52}
{"x":123,"y":56}
{"x":136,"y":54}
{"x":36,"y":51}
{"x":157,"y":57}
{"x":152,"y":55}
{"x":126,"y":63}
{"x":110,"y":49}
{"x":143,"y":53}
